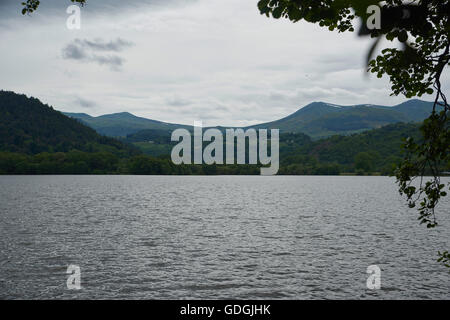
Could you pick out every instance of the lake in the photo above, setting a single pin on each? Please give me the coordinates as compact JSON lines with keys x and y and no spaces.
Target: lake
{"x":223,"y":237}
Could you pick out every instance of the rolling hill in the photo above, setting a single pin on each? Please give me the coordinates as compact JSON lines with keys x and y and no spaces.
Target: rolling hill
{"x":31,"y":127}
{"x":121,"y":124}
{"x":321,"y":120}
{"x":318,"y":120}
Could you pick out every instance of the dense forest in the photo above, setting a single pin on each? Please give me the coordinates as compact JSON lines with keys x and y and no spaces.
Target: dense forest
{"x":28,"y":126}
{"x":374,"y":151}
{"x":78,"y":162}
{"x":371,"y":152}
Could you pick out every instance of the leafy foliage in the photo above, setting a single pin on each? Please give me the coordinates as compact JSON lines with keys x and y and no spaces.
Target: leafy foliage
{"x":32,"y":5}
{"x":425,"y":23}
{"x":444,"y":258}
{"x":426,"y":158}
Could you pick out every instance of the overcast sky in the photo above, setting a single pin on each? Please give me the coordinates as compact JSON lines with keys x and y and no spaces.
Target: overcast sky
{"x":218,"y":61}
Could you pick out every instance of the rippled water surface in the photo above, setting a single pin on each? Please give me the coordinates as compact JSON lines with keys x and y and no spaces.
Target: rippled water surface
{"x":152,"y":237}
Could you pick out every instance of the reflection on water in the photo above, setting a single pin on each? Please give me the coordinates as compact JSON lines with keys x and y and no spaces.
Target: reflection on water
{"x":147,"y":237}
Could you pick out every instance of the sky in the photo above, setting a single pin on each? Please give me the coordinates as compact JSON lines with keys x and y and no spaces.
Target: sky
{"x":180,"y":61}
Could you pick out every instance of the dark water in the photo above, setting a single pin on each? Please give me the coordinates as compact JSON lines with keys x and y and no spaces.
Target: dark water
{"x":215,"y":237}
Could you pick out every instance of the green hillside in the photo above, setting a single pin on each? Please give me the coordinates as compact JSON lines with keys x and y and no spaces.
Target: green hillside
{"x":321,"y":120}
{"x":28,"y":126}
{"x":377,"y":150}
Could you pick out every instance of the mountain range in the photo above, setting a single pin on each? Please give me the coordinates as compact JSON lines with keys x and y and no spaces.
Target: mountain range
{"x":317,"y":119}
{"x":37,"y":139}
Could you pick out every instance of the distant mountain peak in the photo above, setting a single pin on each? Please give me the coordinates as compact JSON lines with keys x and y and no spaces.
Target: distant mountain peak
{"x":118,"y":114}
{"x":77,"y":115}
{"x":121,"y":124}
{"x":333,"y":105}
{"x":322,"y":119}
{"x":318,"y":104}
{"x":124,"y":113}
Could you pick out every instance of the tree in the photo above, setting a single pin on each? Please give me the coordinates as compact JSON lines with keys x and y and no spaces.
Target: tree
{"x":422,"y":27}
{"x":32,"y":5}
{"x":364,"y":162}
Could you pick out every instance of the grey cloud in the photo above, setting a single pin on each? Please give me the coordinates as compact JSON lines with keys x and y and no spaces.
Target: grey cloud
{"x":209,"y":110}
{"x":99,"y":45}
{"x":178,"y":102}
{"x":71,"y":51}
{"x":86,"y":50}
{"x":85,"y":103}
{"x":276,"y":67}
{"x":276,"y":97}
{"x":113,"y":61}
{"x":338,"y":62}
